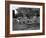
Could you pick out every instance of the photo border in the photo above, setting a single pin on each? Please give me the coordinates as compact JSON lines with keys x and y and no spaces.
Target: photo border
{"x":7,"y":18}
{"x":25,"y":31}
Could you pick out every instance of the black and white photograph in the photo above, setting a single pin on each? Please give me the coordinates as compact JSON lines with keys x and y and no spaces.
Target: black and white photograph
{"x":26,"y":18}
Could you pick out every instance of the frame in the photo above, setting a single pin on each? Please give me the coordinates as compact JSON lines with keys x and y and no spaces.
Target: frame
{"x":35,"y":10}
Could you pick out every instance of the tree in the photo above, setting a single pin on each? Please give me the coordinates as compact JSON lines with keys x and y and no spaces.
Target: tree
{"x":13,"y":13}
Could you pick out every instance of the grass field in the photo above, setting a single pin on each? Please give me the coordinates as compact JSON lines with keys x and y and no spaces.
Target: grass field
{"x":18,"y":26}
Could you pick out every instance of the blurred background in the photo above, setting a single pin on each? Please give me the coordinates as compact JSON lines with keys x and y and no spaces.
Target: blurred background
{"x":2,"y":18}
